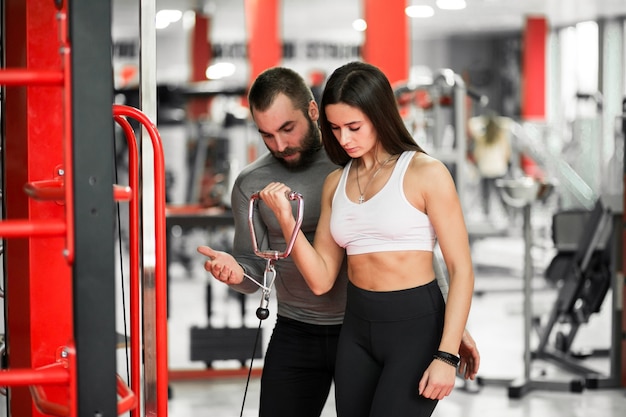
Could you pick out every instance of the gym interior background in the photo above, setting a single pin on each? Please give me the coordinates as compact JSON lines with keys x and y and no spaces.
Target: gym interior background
{"x":549,"y":262}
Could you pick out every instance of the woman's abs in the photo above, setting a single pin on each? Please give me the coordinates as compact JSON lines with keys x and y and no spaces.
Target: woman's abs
{"x":391,"y":271}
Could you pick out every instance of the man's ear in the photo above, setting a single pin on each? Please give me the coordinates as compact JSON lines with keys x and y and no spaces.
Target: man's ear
{"x":314,"y":112}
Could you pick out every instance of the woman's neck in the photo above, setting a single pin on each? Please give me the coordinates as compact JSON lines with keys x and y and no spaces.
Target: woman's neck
{"x":374,"y":158}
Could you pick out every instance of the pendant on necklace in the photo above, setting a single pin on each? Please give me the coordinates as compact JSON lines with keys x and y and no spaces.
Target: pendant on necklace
{"x":361,"y":199}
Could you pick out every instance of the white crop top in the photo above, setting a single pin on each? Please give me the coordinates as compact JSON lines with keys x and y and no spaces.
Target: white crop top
{"x":385,"y":222}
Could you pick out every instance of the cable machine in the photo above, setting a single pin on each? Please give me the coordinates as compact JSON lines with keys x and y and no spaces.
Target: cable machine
{"x":587,"y":276}
{"x":58,"y":220}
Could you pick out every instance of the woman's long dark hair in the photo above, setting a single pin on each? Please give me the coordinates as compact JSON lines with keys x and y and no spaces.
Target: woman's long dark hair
{"x":366,"y":88}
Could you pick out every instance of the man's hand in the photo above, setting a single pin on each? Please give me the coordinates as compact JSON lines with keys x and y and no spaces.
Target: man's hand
{"x":470,"y":358}
{"x":222,"y":266}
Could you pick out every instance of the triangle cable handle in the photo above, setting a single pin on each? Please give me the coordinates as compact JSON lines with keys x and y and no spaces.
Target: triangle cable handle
{"x":269,"y":253}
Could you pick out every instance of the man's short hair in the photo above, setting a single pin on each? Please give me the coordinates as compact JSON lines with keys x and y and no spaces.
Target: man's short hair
{"x":274,"y":81}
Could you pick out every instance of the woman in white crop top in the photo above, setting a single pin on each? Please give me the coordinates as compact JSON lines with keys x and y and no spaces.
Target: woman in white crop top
{"x":398,"y":348}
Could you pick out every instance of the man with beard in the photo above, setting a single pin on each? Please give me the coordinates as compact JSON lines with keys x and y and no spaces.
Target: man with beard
{"x":300,"y":359}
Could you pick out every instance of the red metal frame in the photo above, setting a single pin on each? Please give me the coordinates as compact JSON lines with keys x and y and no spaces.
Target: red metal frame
{"x":45,"y":208}
{"x":38,"y":274}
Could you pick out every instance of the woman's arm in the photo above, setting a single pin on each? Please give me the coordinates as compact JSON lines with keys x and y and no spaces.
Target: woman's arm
{"x":431,"y":188}
{"x":319,"y":263}
{"x":445,"y":213}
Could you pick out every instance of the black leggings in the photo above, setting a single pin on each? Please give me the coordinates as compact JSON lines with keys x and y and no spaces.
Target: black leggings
{"x":386,"y":343}
{"x":298,"y":369}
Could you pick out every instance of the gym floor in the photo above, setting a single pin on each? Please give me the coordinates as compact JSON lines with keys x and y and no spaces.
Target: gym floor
{"x":496,"y":322}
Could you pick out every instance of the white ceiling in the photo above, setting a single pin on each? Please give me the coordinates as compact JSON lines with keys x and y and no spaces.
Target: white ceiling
{"x":332,"y":19}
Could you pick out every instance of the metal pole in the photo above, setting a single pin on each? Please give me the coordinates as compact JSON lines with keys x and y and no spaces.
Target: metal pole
{"x":148,"y":102}
{"x":528,"y":276}
{"x":460,"y":145}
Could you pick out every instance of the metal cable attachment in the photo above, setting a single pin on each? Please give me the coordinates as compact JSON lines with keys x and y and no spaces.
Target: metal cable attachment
{"x":271,"y":255}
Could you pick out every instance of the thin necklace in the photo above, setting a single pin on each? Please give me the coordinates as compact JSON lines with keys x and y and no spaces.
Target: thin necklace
{"x":358,"y":184}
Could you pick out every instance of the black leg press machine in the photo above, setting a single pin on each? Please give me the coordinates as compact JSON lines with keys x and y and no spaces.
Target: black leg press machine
{"x":584,"y":270}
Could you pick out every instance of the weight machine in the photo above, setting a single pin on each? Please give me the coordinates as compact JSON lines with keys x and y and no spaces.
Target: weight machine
{"x":58,"y":221}
{"x":586,"y":278}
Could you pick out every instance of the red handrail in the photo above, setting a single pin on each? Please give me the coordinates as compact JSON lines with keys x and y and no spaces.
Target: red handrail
{"x":135,"y":324}
{"x":160,"y":267}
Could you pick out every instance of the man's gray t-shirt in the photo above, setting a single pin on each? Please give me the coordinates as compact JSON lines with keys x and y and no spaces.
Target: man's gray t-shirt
{"x":295,"y":298}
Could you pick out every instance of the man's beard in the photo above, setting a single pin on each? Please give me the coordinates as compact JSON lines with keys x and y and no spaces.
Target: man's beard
{"x":308,"y":148}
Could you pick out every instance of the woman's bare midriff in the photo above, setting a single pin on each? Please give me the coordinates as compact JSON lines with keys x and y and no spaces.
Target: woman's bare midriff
{"x":391,"y":271}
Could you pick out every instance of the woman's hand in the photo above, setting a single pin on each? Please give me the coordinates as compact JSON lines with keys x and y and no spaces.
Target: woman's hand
{"x":438,"y":380}
{"x":276,"y":196}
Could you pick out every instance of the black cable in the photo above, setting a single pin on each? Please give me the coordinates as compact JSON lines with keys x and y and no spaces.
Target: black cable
{"x":119,"y":238}
{"x":119,"y":229}
{"x":245,"y":392}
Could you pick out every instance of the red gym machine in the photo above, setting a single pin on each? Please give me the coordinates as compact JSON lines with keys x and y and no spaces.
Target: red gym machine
{"x":58,"y":199}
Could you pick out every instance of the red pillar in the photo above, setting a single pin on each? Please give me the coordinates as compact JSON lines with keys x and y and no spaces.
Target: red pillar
{"x":200,"y":60}
{"x":200,"y":48}
{"x":264,"y":43}
{"x":38,"y":279}
{"x":535,"y":37}
{"x":387,"y":38}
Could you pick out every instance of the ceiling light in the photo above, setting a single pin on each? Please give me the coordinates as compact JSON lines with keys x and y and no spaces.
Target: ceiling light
{"x":165,"y":17}
{"x":359,"y":25}
{"x":189,"y":19}
{"x":419,"y":11}
{"x":220,"y":70}
{"x":451,"y":4}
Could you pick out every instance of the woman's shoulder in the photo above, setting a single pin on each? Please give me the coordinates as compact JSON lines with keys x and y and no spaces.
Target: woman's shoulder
{"x":421,"y":162}
{"x":427,"y":172}
{"x":335,"y":174}
{"x":332,"y":179}
{"x":330,"y":185}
